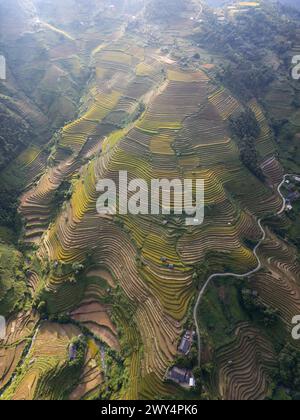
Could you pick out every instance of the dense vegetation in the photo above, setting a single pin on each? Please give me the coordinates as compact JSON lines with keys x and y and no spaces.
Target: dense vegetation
{"x":165,"y":9}
{"x":245,"y":44}
{"x":12,"y":280}
{"x":9,"y":216}
{"x":15,"y":134}
{"x":246,"y":129}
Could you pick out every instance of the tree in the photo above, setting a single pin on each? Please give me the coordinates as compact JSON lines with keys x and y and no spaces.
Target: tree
{"x":289,"y":367}
{"x":42,"y":308}
{"x":198,"y":378}
{"x":164,"y":9}
{"x":249,"y":156}
{"x":77,"y":267}
{"x":245,"y":125}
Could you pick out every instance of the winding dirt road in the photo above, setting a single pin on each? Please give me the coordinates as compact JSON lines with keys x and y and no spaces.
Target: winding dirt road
{"x":238,"y":276}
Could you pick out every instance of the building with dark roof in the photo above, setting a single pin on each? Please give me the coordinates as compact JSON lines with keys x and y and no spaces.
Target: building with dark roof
{"x":72,"y":352}
{"x":293,"y":196}
{"x":183,"y":377}
{"x":186,"y":343}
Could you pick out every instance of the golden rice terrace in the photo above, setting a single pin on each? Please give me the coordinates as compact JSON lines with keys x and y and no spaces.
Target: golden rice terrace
{"x":122,"y":305}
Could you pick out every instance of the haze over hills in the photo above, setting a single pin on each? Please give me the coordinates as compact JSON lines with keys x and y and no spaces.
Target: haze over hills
{"x":293,"y":3}
{"x":124,"y":306}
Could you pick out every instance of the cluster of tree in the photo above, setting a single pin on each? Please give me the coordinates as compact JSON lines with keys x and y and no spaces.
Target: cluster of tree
{"x":245,"y":41}
{"x":246,"y":79}
{"x":286,"y":375}
{"x":215,"y":261}
{"x":289,"y":367}
{"x":63,"y":193}
{"x":251,"y":33}
{"x":249,"y":156}
{"x":246,"y":129}
{"x":187,"y":361}
{"x":245,"y":125}
{"x":257,"y":309}
{"x":134,"y":116}
{"x":9,"y":216}
{"x":164,"y":9}
{"x":72,"y":271}
{"x":79,"y":346}
{"x":116,"y":374}
{"x":13,"y":294}
{"x":14,"y":135}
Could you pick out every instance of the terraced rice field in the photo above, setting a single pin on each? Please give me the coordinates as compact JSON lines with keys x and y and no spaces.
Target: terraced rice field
{"x":19,"y":332}
{"x":183,"y":132}
{"x":92,"y":377}
{"x":45,"y":362}
{"x":175,"y":141}
{"x":278,"y":286}
{"x":265,"y":146}
{"x":250,"y":356}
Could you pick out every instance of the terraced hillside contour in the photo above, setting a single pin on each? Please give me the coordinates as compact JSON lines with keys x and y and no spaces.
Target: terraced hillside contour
{"x":113,"y":295}
{"x":165,"y":142}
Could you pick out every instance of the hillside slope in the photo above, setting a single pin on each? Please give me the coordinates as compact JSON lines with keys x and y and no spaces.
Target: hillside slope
{"x":192,"y":97}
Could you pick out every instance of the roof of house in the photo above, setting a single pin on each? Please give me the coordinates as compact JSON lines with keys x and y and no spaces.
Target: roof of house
{"x":293,"y":196}
{"x":192,"y":382}
{"x":184,"y":345}
{"x":180,"y":375}
{"x":72,"y":351}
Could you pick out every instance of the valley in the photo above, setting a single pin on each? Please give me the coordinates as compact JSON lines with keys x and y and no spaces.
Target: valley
{"x":98,"y":305}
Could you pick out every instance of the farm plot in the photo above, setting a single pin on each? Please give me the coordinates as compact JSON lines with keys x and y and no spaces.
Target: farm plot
{"x":182,"y":133}
{"x":92,"y":377}
{"x":95,"y":317}
{"x":20,"y":329}
{"x":178,"y":100}
{"x":76,"y":134}
{"x":265,"y":142}
{"x":36,"y":204}
{"x":46,"y":366}
{"x":150,"y":286}
{"x":30,"y":164}
{"x":279,"y":286}
{"x":251,"y":358}
{"x":225,"y":104}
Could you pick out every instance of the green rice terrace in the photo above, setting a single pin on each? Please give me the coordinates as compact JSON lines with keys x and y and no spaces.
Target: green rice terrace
{"x":129,"y":307}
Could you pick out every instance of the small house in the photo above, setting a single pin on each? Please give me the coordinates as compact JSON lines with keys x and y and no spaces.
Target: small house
{"x":293,"y":196}
{"x":186,"y":343}
{"x":72,"y":352}
{"x":179,"y":375}
{"x":183,"y":377}
{"x":192,"y":382}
